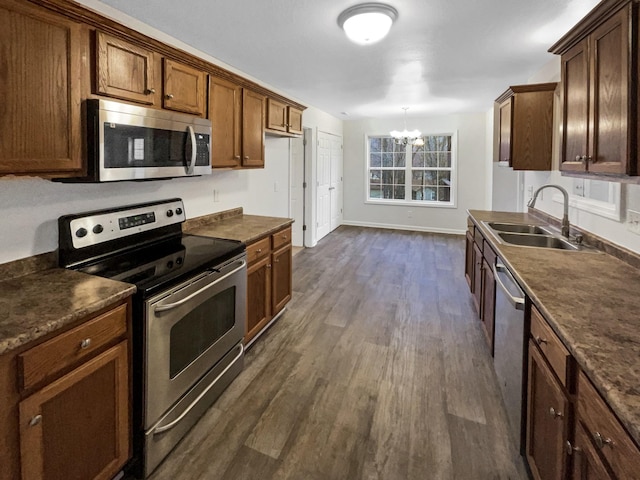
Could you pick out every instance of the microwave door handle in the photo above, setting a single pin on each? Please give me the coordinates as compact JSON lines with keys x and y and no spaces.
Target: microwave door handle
{"x":194,"y":152}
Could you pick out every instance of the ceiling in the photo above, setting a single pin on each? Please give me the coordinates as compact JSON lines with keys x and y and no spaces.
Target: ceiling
{"x":440,"y":57}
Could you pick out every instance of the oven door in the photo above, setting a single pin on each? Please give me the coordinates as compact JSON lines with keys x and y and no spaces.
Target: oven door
{"x":189,"y":329}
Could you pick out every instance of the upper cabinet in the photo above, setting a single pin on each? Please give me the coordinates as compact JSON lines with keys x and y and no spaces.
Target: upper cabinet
{"x":599,"y":59}
{"x":283,"y":118}
{"x":132,"y":73}
{"x":41,"y":58}
{"x":253,"y":112}
{"x":225,"y":113}
{"x":526,"y":126}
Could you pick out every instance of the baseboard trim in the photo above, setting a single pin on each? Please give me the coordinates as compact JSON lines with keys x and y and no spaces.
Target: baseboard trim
{"x":414,"y":228}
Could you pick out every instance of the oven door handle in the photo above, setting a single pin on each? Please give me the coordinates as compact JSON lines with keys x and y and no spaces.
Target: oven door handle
{"x":171,"y":306}
{"x":172,"y":424}
{"x":194,"y":150}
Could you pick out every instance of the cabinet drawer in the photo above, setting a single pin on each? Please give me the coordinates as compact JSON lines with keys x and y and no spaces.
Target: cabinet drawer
{"x":258,"y":250}
{"x":488,"y":253}
{"x":478,"y":238}
{"x":281,"y":238}
{"x":554,"y":351}
{"x":53,"y":356}
{"x":605,"y":431}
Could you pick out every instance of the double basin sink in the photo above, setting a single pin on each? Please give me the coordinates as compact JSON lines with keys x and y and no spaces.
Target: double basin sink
{"x":527,"y":235}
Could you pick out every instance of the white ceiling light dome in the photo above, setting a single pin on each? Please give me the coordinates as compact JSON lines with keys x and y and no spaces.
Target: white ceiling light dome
{"x":368,"y":22}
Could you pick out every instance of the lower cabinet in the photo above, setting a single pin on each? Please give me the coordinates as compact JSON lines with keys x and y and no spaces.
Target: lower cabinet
{"x":586,"y":463}
{"x":269,"y":284}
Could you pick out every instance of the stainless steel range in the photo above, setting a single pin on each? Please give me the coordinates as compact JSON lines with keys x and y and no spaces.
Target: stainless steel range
{"x":188,"y":313}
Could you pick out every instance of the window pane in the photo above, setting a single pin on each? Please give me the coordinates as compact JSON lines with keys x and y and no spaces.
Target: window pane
{"x":430,"y":144}
{"x":430,"y":177}
{"x":444,"y":143}
{"x":387,"y":176}
{"x":399,"y":177}
{"x":375,"y":144}
{"x":444,"y":178}
{"x":417,"y":148}
{"x":418,"y":160}
{"x":416,"y":177}
{"x":387,"y":191}
{"x":431,"y":159}
{"x":387,"y":159}
{"x":375,"y":191}
{"x":399,"y":160}
{"x":430,"y":193}
{"x":375,"y":176}
{"x":376,"y":160}
{"x":444,"y":194}
{"x":444,"y":159}
{"x":416,"y":193}
{"x":387,"y":144}
{"x":398,"y":193}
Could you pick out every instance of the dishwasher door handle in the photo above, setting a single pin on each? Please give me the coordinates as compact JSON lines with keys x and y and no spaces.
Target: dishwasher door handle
{"x":517,"y":302}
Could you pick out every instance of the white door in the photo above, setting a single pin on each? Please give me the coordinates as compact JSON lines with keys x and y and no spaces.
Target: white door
{"x":329,"y":186}
{"x":297,"y":191}
{"x":323,"y":214}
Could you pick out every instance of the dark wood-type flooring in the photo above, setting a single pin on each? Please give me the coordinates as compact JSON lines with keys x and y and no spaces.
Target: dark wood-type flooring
{"x":377,"y":370}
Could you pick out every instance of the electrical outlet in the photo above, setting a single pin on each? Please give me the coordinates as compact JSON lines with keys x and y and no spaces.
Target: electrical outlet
{"x":633,"y":221}
{"x":216,"y":195}
{"x":409,"y":214}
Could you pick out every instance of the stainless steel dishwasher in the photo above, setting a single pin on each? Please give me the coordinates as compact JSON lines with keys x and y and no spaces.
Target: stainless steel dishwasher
{"x":509,"y":348}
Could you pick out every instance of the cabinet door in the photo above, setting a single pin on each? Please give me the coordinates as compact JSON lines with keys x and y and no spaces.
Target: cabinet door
{"x":477,"y":277}
{"x":184,"y":88}
{"x":258,"y":297}
{"x":586,"y":464}
{"x":505,"y":132}
{"x":252,"y":129}
{"x":40,"y":71}
{"x":295,"y":120}
{"x":225,"y":112}
{"x":281,"y":286}
{"x":609,"y":130}
{"x":79,"y":426}
{"x":575,"y":95}
{"x":276,"y":115}
{"x":547,"y":410}
{"x":488,"y":302}
{"x":124,"y":70}
{"x":468,"y":260}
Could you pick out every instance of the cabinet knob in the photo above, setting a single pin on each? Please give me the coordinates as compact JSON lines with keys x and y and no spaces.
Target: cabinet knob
{"x":151,"y":91}
{"x":277,"y":260}
{"x":85,"y":343}
{"x":268,"y":265}
{"x":571,"y":449}
{"x":237,"y":157}
{"x":246,"y":157}
{"x":35,"y":421}
{"x":169,"y":96}
{"x":259,"y":250}
{"x":553,"y":413}
{"x":540,"y":340}
{"x":601,"y":441}
{"x":284,"y":237}
{"x":579,"y":158}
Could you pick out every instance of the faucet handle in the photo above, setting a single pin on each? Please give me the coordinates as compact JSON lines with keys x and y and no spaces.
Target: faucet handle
{"x":579,"y":239}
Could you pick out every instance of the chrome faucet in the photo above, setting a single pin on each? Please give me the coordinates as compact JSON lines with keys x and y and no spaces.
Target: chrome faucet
{"x":565,"y":217}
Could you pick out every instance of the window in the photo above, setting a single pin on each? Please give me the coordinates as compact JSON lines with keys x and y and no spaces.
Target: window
{"x":409,"y":173}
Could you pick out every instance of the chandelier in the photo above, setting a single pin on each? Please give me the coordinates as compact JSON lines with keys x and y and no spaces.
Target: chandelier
{"x":406,"y":137}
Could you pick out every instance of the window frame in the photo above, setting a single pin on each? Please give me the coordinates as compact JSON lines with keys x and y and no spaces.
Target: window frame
{"x":452,"y":203}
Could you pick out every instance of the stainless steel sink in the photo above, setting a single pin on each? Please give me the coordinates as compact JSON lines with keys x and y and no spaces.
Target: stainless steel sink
{"x":545,"y":241}
{"x":518,"y":228}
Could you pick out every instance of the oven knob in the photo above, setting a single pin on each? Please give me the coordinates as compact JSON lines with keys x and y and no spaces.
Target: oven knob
{"x":98,"y":229}
{"x":169,"y":213}
{"x":178,"y":211}
{"x":81,"y":232}
{"x":169,"y":264}
{"x":179,"y":261}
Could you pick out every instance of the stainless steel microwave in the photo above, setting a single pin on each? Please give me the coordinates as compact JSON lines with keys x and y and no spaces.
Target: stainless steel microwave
{"x":127,"y":142}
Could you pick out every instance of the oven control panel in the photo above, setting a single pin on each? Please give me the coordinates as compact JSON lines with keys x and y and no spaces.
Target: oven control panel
{"x":103,"y":226}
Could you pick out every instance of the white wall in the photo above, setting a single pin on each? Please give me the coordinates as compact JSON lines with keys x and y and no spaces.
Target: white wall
{"x":471,"y":173}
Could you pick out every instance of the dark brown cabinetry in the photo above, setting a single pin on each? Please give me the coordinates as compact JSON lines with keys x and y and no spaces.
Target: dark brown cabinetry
{"x":269,"y":284}
{"x":585,"y":462}
{"x":599,"y":68}
{"x":283,"y":118}
{"x":526,"y":126}
{"x":488,"y":298}
{"x":41,"y":63}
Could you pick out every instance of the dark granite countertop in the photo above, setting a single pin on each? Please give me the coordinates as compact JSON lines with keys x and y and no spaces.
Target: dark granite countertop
{"x":591,"y":301}
{"x":42,"y":302}
{"x":237,"y":226}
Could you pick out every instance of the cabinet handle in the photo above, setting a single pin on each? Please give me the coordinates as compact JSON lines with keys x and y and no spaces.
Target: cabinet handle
{"x":601,"y":441}
{"x":246,"y":157}
{"x":268,"y":265}
{"x":85,"y":343}
{"x":591,"y":159}
{"x":35,"y":421}
{"x":553,"y":413}
{"x":169,"y":96}
{"x":284,"y":237}
{"x":237,"y":157}
{"x":540,"y":340}
{"x":571,"y":449}
{"x":151,"y":91}
{"x":259,"y":250}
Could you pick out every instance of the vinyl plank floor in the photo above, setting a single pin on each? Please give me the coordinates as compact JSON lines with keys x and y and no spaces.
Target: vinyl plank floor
{"x":377,"y":370}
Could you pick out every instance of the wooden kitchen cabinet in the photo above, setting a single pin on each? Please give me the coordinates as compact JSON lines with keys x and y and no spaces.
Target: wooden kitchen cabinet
{"x":526,"y":126}
{"x":488,"y":300}
{"x":476,"y":289}
{"x":585,"y":461}
{"x":225,"y":113}
{"x":283,"y":118}
{"x":547,"y":420}
{"x":253,"y":112}
{"x":40,"y":78}
{"x":269,"y":280}
{"x":130,"y":72}
{"x":468,"y":259}
{"x":599,"y":69}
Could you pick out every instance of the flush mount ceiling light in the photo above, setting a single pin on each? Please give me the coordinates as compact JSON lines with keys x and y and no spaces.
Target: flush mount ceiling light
{"x":368,"y":22}
{"x":413,"y":137}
